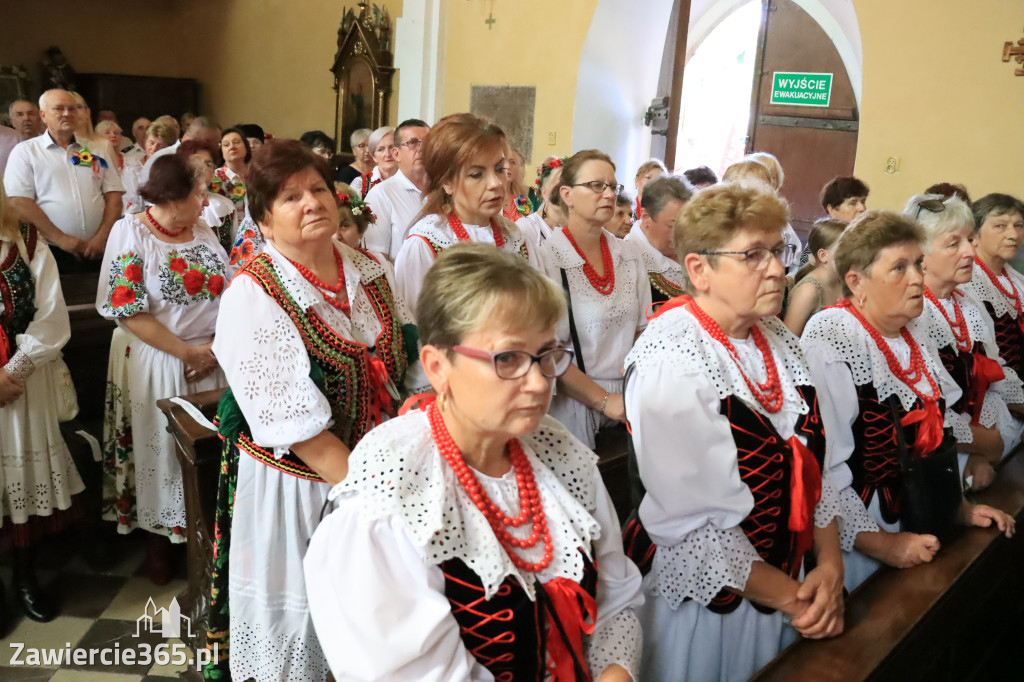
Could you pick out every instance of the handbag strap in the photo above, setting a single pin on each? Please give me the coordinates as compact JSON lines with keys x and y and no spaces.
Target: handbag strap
{"x":572,"y":323}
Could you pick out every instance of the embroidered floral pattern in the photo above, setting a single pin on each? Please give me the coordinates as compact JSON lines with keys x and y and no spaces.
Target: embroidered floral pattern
{"x":248,"y":243}
{"x":126,"y":291}
{"x":192,"y":274}
{"x":223,"y":185}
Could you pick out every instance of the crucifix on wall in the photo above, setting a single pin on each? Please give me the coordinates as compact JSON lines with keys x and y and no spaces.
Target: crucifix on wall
{"x":1016,"y":52}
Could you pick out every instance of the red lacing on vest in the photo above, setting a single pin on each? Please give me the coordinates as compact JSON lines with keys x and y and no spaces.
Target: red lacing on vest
{"x":484,"y":618}
{"x":764,"y":518}
{"x":879,"y":460}
{"x":1009,"y":339}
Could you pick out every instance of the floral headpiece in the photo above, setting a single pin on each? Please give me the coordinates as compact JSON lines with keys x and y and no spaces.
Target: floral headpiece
{"x":357,"y":206}
{"x":547,"y":167}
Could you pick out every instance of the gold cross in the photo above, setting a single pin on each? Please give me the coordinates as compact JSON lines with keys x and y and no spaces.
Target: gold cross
{"x":1015,"y":51}
{"x":490,"y":21}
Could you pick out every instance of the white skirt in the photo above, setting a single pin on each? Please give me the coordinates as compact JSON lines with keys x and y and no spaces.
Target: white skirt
{"x":142,"y":478}
{"x":582,"y":421}
{"x":697,"y":645}
{"x":274,"y":516}
{"x":36,"y":470}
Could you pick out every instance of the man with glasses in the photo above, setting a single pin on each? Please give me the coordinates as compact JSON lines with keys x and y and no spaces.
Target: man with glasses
{"x":71,"y":193}
{"x":397,"y":200}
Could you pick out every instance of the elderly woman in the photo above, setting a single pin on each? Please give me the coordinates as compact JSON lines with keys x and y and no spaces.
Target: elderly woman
{"x":311,"y":340}
{"x":605,"y":282}
{"x":37,"y":476}
{"x":965,"y":337}
{"x":492,"y":551}
{"x":622,"y":220}
{"x":363,"y":162}
{"x":160,"y":135}
{"x":844,"y":198}
{"x":464,"y":157}
{"x":663,"y":200}
{"x":880,"y":385}
{"x":229,"y":179}
{"x":999,"y":219}
{"x":547,"y":216}
{"x":111,"y":132}
{"x":163,"y":274}
{"x":518,"y":202}
{"x":381,"y":146}
{"x":747,"y":429}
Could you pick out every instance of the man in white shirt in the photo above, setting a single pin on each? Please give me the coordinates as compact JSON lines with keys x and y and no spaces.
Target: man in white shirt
{"x":137,"y":150}
{"x":396,"y":201}
{"x":70,"y":193}
{"x":202,"y":129}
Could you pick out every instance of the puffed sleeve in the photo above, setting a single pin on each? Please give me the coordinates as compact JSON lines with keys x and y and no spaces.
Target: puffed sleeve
{"x":695,"y":498}
{"x":121,"y":289}
{"x":378,"y":234}
{"x":267,"y":367}
{"x":617,"y":637}
{"x":379,"y":609}
{"x":411,"y":265}
{"x":837,"y":401}
{"x":50,"y":328}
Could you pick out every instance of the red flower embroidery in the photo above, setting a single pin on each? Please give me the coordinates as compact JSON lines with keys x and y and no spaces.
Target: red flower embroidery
{"x":248,"y":234}
{"x":122,"y":296}
{"x":133,"y":273}
{"x":215,"y":285}
{"x":247,"y":249}
{"x":193,"y":281}
{"x":178,"y":265}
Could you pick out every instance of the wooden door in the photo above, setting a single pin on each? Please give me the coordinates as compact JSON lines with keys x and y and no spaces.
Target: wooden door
{"x":813,"y":144}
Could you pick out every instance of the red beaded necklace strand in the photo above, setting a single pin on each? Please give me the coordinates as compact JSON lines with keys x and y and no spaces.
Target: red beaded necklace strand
{"x":323,"y":287}
{"x":530,"y":506}
{"x":463,"y":236}
{"x":769,"y":394}
{"x":605,"y":284}
{"x":160,"y":228}
{"x":917,"y":369}
{"x":1012,"y":295}
{"x":958,"y":324}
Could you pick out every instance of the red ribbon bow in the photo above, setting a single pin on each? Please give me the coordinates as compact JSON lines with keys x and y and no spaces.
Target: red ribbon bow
{"x":4,"y":342}
{"x":804,"y":493}
{"x":929,"y":430}
{"x":380,"y":399}
{"x":986,"y":372}
{"x":574,"y":606}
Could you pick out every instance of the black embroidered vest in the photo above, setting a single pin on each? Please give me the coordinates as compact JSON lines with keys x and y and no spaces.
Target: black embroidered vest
{"x":18,"y":288}
{"x":1009,"y":338}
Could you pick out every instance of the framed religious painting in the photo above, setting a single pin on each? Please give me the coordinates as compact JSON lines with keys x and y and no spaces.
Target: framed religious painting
{"x":363,"y":68}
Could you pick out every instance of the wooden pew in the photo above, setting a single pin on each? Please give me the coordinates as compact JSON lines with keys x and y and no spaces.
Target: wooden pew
{"x":960,"y":617}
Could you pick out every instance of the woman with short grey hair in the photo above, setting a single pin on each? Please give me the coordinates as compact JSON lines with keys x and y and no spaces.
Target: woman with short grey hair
{"x":381,"y":144}
{"x":362,"y":164}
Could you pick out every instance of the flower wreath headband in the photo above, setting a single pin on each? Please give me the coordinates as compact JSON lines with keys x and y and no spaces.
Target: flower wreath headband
{"x":547,"y":167}
{"x":357,"y":206}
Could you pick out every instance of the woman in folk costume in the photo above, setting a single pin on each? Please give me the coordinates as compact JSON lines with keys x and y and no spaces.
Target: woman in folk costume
{"x":311,"y":339}
{"x":464,"y":156}
{"x":965,"y":337}
{"x":605,"y":282}
{"x":37,"y":476}
{"x":664,"y":198}
{"x":999,"y":219}
{"x":872,"y":370}
{"x":734,"y":498}
{"x":473,"y":538}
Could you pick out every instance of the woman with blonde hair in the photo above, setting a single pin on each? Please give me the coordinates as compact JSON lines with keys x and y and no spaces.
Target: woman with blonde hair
{"x":37,"y":475}
{"x":480,"y":595}
{"x":758,"y":170}
{"x":161,"y":133}
{"x":518,"y":204}
{"x":464,"y":157}
{"x":605,"y":282}
{"x":817,"y":283}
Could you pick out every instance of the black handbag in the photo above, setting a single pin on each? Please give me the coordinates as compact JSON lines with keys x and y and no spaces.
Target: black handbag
{"x":931,"y":494}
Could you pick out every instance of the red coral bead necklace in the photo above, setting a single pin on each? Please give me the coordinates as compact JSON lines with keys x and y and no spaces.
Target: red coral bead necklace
{"x":463,"y":236}
{"x":604,"y":284}
{"x":324,"y":287}
{"x":769,"y":393}
{"x":1012,"y":295}
{"x":160,"y":228}
{"x":958,"y":324}
{"x":915,"y":371}
{"x":530,"y":507}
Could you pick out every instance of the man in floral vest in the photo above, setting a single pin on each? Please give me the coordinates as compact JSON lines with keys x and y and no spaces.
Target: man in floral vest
{"x":70,"y":192}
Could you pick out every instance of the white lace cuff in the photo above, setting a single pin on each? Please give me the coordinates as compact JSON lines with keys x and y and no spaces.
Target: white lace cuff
{"x":991,"y":408}
{"x":854,"y":520}
{"x":618,"y":641}
{"x":20,"y":366}
{"x":829,"y":506}
{"x":961,"y":425}
{"x":707,"y":560}
{"x":1010,"y":388}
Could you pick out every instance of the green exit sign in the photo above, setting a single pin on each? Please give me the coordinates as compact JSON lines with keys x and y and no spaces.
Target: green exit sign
{"x":801,"y":89}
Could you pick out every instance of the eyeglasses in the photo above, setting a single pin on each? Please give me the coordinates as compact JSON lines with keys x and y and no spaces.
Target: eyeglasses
{"x":930,"y":205}
{"x":410,"y":144}
{"x":759,"y":258}
{"x":513,"y":364}
{"x":598,"y":187}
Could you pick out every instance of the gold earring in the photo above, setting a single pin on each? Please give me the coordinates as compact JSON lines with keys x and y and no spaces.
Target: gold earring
{"x":442,"y":401}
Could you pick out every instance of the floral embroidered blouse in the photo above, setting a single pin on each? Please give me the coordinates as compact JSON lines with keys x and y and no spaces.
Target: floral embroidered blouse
{"x":179,"y":284}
